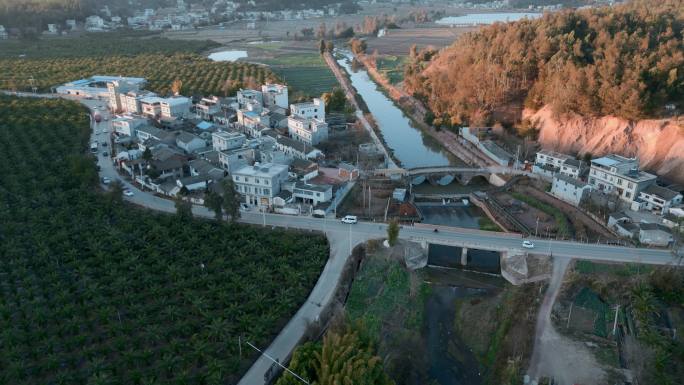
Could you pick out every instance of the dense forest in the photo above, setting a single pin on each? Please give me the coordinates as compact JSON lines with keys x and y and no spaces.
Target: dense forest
{"x":625,"y":60}
{"x":96,"y":291}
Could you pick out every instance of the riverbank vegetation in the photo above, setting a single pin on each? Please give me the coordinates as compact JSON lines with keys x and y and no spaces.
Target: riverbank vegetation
{"x":97,"y":291}
{"x":645,"y":303}
{"x":621,"y":60}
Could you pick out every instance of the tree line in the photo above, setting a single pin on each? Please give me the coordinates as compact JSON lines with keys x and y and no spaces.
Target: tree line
{"x":623,"y":60}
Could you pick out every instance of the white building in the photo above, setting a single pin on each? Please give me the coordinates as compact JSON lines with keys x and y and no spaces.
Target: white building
{"x":569,"y":189}
{"x":307,"y":130}
{"x":94,"y":86}
{"x":657,"y":199}
{"x":126,"y":125}
{"x":655,"y":234}
{"x":247,"y":96}
{"x":223,"y":141}
{"x":549,"y":163}
{"x":310,"y":110}
{"x":117,"y":89}
{"x":259,"y":184}
{"x":3,"y":33}
{"x":94,"y":23}
{"x":175,"y":107}
{"x":131,"y":102}
{"x":189,"y":142}
{"x":207,"y":107}
{"x":232,"y":160}
{"x":619,"y":175}
{"x":275,"y":95}
{"x":312,"y":193}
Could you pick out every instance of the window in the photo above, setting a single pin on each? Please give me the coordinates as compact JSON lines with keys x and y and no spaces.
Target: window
{"x":619,"y":182}
{"x":628,"y":194}
{"x":630,"y":185}
{"x":237,"y":178}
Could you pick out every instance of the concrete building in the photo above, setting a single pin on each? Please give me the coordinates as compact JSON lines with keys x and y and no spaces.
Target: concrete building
{"x":94,"y":86}
{"x":131,"y":102}
{"x":175,"y":107}
{"x":569,"y":189}
{"x":117,"y":90}
{"x":655,"y":234}
{"x":310,"y":110}
{"x":307,"y":130}
{"x":548,"y":163}
{"x":189,"y":142}
{"x":235,"y":159}
{"x":3,"y":33}
{"x":295,"y":149}
{"x":126,"y":125}
{"x":657,"y":199}
{"x":245,"y":97}
{"x":619,"y":175}
{"x":312,"y":193}
{"x":259,"y":184}
{"x":223,"y":141}
{"x":207,"y":107}
{"x":274,"y":95}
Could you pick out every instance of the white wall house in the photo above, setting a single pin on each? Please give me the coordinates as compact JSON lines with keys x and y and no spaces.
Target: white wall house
{"x":310,"y":110}
{"x":275,"y":95}
{"x":189,"y":142}
{"x":259,"y":184}
{"x":657,"y":199}
{"x":222,"y":140}
{"x":569,"y":189}
{"x":312,"y":193}
{"x":548,"y":163}
{"x":245,"y":97}
{"x":307,"y":130}
{"x":619,"y":175}
{"x":126,"y":125}
{"x":117,"y":89}
{"x":175,"y":107}
{"x":232,"y":160}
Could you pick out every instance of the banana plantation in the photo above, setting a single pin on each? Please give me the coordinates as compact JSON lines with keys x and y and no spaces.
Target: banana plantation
{"x":96,"y":291}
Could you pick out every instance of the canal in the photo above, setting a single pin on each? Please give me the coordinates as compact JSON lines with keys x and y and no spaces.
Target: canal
{"x":410,"y":145}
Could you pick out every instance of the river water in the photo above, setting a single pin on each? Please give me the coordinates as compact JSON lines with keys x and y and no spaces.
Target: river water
{"x":487,"y":18}
{"x":410,"y":145}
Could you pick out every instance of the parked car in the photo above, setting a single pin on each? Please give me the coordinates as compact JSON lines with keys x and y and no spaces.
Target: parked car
{"x":105,"y":153}
{"x":528,"y":244}
{"x":106,"y":180}
{"x":128,"y":193}
{"x":350,"y":219}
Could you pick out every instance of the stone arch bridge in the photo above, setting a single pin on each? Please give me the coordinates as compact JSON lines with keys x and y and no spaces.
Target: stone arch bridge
{"x":444,"y":175}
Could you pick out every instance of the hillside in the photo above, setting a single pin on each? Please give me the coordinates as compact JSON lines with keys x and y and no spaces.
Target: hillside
{"x":624,"y":61}
{"x":659,"y":143}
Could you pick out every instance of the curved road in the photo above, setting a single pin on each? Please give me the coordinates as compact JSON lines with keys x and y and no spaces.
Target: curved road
{"x":343,"y":237}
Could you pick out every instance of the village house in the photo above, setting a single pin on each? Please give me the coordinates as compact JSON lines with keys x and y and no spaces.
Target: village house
{"x":223,"y":140}
{"x":657,"y":199}
{"x":274,"y":95}
{"x":313,"y":194}
{"x":259,"y":184}
{"x":569,"y":189}
{"x":189,"y":142}
{"x":619,"y":175}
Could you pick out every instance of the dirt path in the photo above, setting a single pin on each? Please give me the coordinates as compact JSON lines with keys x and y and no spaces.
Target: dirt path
{"x":567,"y":361}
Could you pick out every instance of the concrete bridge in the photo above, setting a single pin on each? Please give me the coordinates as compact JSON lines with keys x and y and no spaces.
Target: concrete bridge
{"x":444,"y":175}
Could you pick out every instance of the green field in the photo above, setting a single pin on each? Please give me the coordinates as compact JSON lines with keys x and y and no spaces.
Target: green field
{"x":392,"y":67}
{"x":94,"y":290}
{"x":306,"y":74}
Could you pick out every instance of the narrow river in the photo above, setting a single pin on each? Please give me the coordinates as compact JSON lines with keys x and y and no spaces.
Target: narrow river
{"x":410,"y":145}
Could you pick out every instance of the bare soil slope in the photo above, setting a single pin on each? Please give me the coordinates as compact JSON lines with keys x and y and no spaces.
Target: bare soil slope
{"x":659,"y":144}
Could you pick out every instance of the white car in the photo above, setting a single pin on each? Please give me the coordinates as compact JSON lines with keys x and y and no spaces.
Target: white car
{"x":106,"y":180}
{"x":128,"y":193}
{"x":528,"y":244}
{"x":350,"y":219}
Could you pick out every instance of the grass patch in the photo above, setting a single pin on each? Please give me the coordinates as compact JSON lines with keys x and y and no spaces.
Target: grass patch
{"x":561,"y":219}
{"x":381,"y":293}
{"x":392,"y":67}
{"x":487,"y":224}
{"x":622,"y":270}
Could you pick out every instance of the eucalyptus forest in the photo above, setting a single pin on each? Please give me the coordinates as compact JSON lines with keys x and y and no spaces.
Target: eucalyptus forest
{"x":96,"y":291}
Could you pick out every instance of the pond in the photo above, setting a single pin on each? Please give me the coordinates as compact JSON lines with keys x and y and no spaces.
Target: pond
{"x":452,"y":213}
{"x":411,"y":146}
{"x":231,"y":55}
{"x":487,"y":18}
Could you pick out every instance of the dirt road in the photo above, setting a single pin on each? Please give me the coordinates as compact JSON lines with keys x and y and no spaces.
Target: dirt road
{"x":567,"y":361}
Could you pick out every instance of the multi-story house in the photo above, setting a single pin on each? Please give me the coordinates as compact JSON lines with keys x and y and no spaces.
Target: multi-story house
{"x":245,"y":97}
{"x":657,"y":199}
{"x":175,"y":107}
{"x":312,"y":193}
{"x":259,"y":184}
{"x":551,"y":162}
{"x":234,"y":159}
{"x":126,"y":125}
{"x":117,"y":89}
{"x":275,"y":95}
{"x":131,"y":102}
{"x":223,"y":141}
{"x":307,"y":130}
{"x":310,"y":110}
{"x":208,"y":107}
{"x":619,"y":175}
{"x":569,"y":189}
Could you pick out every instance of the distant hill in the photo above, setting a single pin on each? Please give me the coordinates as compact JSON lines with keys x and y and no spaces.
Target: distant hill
{"x":626,"y":61}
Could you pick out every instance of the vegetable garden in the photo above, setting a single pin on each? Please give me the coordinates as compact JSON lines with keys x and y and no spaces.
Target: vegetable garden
{"x":95,"y":291}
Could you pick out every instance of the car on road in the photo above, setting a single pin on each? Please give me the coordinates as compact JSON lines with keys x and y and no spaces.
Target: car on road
{"x":128,"y":193}
{"x":528,"y":244}
{"x":106,"y":180}
{"x":104,"y":143}
{"x":105,"y":153}
{"x":350,"y":219}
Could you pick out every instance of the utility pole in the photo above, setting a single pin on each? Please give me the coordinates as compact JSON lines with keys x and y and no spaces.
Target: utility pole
{"x":615,"y":322}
